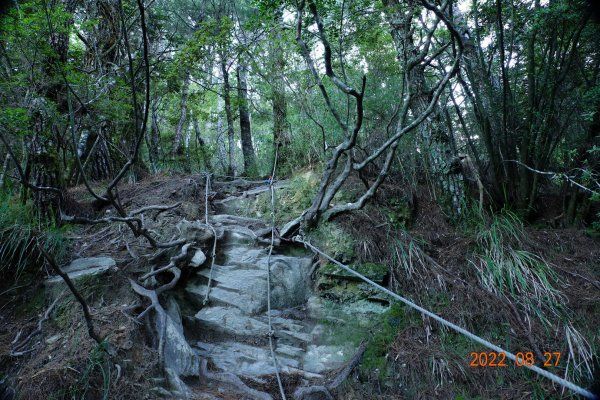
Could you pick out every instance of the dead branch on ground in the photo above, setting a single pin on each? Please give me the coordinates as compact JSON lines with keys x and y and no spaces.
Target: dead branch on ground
{"x":18,"y":348}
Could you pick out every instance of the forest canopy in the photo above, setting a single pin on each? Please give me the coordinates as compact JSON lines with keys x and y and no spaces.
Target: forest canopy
{"x":492,"y":97}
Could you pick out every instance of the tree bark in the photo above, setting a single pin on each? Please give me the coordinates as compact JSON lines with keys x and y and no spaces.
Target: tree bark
{"x":432,"y":132}
{"x":281,"y":134}
{"x":183,"y":118}
{"x":245,"y":125}
{"x":229,"y":118}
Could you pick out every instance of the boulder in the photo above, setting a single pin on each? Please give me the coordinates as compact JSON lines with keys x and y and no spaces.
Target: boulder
{"x":84,"y":267}
{"x":179,"y":357}
{"x":198,"y":259}
{"x":196,"y":231}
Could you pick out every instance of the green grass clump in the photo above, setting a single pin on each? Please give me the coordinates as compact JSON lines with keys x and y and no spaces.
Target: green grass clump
{"x":21,"y":228}
{"x":504,"y":267}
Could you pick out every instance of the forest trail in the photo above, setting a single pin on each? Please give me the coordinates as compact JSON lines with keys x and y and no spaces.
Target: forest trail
{"x":231,"y":328}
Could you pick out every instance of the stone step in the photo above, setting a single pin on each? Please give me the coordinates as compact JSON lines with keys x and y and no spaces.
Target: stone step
{"x":249,"y":303}
{"x":231,"y":321}
{"x":84,"y":267}
{"x":236,"y":276}
{"x":251,"y":361}
{"x":234,"y":321}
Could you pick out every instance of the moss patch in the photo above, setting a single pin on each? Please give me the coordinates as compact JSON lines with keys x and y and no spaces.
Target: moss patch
{"x":384,"y":334}
{"x":334,"y":240}
{"x":373,"y":271}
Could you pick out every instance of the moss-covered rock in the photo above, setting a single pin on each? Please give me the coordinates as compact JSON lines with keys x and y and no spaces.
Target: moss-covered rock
{"x":334,"y":240}
{"x":340,"y":286}
{"x":375,"y":272}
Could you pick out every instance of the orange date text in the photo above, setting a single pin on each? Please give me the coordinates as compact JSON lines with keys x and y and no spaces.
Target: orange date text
{"x":522,"y":359}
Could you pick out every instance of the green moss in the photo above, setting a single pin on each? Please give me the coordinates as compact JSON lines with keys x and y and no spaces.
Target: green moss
{"x":384,"y":334}
{"x":373,"y":271}
{"x":290,"y":201}
{"x":334,"y":240}
{"x":64,"y":313}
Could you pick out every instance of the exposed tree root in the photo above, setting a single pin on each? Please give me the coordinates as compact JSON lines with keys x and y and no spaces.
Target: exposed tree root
{"x":18,"y":349}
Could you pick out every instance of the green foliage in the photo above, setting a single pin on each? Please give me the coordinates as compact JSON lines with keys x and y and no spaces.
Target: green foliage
{"x":393,"y":321}
{"x":20,"y":231}
{"x":14,"y":119}
{"x":504,"y":267}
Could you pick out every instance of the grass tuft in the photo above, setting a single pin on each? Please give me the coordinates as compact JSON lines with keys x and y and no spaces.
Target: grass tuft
{"x":20,"y":228}
{"x":505,"y":268}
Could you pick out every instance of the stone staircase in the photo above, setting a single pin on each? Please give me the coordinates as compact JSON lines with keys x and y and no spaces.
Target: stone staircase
{"x":232,"y":329}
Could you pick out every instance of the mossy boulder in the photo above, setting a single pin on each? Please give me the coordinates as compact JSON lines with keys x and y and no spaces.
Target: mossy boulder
{"x":334,"y":240}
{"x":336,"y":284}
{"x":375,"y":272}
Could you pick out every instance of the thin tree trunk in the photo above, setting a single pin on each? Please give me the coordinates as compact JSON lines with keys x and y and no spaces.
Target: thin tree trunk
{"x":229,"y":118}
{"x":281,"y":135}
{"x":222,"y":155}
{"x":245,"y":126}
{"x":181,"y":125}
{"x":201,"y":146}
{"x":154,"y":137}
{"x":4,"y":168}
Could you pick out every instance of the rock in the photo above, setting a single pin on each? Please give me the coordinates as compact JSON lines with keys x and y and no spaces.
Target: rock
{"x":178,"y":355}
{"x":84,"y":267}
{"x":198,"y":259}
{"x":290,"y":279}
{"x":54,"y":339}
{"x":196,"y":231}
{"x":373,"y":271}
{"x":319,"y":359}
{"x":250,"y":361}
{"x":174,"y":312}
{"x":231,"y":321}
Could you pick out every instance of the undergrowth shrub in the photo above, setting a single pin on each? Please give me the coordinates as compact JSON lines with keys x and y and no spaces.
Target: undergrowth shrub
{"x":20,"y":229}
{"x":526,"y":279}
{"x":506,"y":268}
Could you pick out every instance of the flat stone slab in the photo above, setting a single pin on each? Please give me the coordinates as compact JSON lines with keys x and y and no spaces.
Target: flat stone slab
{"x":231,"y":321}
{"x":318,"y":359}
{"x":223,"y":297}
{"x":250,"y":361}
{"x":84,"y":267}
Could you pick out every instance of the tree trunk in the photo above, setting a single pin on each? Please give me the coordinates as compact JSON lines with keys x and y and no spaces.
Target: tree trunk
{"x":182,"y":124}
{"x":201,"y":146}
{"x":432,"y":131}
{"x":154,"y":145}
{"x":229,"y":118}
{"x":222,"y":155}
{"x":281,"y":134}
{"x":245,"y":127}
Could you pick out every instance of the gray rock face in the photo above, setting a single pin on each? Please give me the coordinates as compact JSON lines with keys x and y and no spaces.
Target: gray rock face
{"x":179,"y":357}
{"x":233,"y":326}
{"x":84,"y":267}
{"x":196,"y":231}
